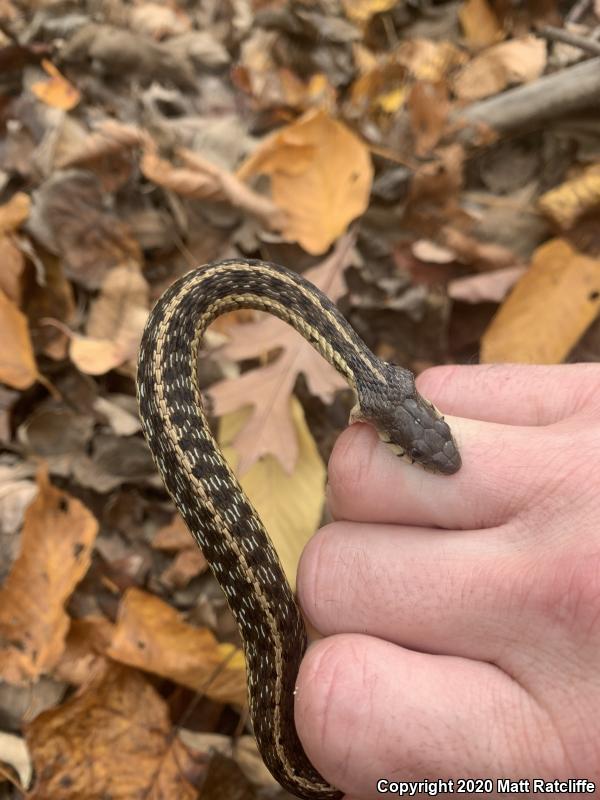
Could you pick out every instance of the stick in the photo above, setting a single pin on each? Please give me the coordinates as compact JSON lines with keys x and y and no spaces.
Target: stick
{"x":566,"y":92}
{"x":574,"y":39}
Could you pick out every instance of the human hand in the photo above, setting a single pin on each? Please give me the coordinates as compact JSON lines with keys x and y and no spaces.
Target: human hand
{"x":462,"y":613}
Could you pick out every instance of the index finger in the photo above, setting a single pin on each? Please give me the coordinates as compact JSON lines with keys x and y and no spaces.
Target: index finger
{"x":512,"y":394}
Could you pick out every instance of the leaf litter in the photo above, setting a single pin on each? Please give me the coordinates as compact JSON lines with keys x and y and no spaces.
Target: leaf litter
{"x":434,"y":170}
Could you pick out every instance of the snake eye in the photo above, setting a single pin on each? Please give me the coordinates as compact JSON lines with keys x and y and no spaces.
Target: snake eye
{"x":416,"y":453}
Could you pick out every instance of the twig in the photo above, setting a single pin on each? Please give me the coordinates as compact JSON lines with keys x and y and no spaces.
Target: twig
{"x":574,"y":39}
{"x":570,"y":91}
{"x":578,"y":11}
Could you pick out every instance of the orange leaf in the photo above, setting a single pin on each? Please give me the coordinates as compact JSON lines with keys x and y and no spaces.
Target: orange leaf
{"x":321,"y":176}
{"x":548,"y":310}
{"x":56,"y":544}
{"x":113,"y":740}
{"x":151,"y":635}
{"x":56,"y":92}
{"x":17,"y":362}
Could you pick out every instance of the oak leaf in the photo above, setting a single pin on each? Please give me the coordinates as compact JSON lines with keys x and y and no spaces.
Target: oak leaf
{"x":289,"y":505}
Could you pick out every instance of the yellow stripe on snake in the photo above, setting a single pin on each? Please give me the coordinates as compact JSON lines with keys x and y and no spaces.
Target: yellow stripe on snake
{"x":219,"y":515}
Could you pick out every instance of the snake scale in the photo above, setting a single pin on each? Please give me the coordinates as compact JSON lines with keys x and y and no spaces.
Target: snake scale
{"x":209,"y":497}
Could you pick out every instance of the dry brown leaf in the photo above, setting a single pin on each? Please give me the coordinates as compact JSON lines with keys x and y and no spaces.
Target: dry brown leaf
{"x":56,"y":91}
{"x":482,"y":255}
{"x":56,"y":544}
{"x":489,"y":287}
{"x":549,"y":309}
{"x":428,"y":106}
{"x":290,"y":505}
{"x":96,"y":356}
{"x":16,"y":493}
{"x":427,"y":60}
{"x":13,"y":263}
{"x":566,"y":203}
{"x":321,"y":177}
{"x":270,"y":428}
{"x":12,"y":216}
{"x":14,"y":752}
{"x":91,"y":240}
{"x":85,"y":645}
{"x":159,"y":20}
{"x":113,"y":740}
{"x":202,"y":179}
{"x":115,"y":323}
{"x":17,"y":361}
{"x":514,"y":62}
{"x":361,"y":11}
{"x":121,"y":421}
{"x":108,"y":139}
{"x":14,"y":213}
{"x":150,"y":635}
{"x":174,"y":536}
{"x":480,"y":24}
{"x":187,"y":564}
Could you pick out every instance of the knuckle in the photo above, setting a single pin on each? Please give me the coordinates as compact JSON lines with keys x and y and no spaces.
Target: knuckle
{"x":325,"y":719}
{"x":350,"y":463}
{"x":314,"y":579}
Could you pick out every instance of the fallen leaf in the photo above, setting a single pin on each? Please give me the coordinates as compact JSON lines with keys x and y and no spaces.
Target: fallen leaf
{"x":200,"y":178}
{"x":187,"y":564}
{"x":566,"y":203}
{"x":57,"y":91}
{"x":428,"y":106}
{"x":17,"y":362}
{"x":112,"y":740}
{"x":508,"y":63}
{"x":480,"y":24}
{"x":290,"y":505}
{"x":150,"y":635}
{"x":16,"y":493}
{"x":15,"y":212}
{"x":121,"y":421}
{"x":270,"y":428}
{"x":361,"y":11}
{"x":489,"y":287}
{"x":548,"y":310}
{"x":321,"y":177}
{"x":174,"y":536}
{"x":115,"y":323}
{"x":56,"y":543}
{"x":482,"y":255}
{"x":159,"y":21}
{"x":13,"y":751}
{"x":90,"y":241}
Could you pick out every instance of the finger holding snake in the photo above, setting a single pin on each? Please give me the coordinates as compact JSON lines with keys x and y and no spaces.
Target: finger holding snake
{"x":462,"y":618}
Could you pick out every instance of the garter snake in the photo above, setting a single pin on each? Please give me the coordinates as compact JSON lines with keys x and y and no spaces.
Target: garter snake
{"x":209,"y":497}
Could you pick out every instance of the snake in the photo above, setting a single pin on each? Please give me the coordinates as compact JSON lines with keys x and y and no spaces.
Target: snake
{"x":219,"y":515}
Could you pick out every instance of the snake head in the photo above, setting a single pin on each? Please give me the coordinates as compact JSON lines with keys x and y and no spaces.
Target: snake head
{"x":411,"y":425}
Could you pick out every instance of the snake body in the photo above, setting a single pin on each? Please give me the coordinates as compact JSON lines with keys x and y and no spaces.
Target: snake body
{"x":209,"y":497}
